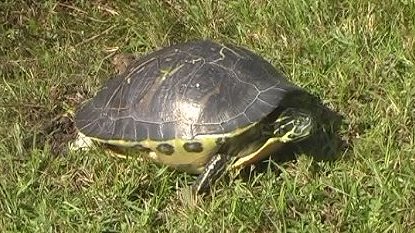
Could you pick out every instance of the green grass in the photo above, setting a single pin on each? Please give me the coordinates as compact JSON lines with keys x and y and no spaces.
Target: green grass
{"x":357,"y":56}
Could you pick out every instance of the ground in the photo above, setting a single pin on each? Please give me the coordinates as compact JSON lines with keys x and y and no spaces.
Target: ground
{"x":356,"y":56}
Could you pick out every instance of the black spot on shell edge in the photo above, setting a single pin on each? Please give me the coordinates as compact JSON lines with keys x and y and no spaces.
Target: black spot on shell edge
{"x":193,"y":147}
{"x":165,"y":148}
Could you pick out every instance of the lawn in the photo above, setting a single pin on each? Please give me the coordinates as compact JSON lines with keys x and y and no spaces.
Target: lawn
{"x":356,"y":56}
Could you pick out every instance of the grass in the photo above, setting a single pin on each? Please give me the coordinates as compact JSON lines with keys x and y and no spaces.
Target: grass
{"x":357,"y":56}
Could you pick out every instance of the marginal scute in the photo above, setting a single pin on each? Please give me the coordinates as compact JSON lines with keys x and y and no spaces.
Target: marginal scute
{"x":124,"y":129}
{"x":165,"y":148}
{"x":193,"y":147}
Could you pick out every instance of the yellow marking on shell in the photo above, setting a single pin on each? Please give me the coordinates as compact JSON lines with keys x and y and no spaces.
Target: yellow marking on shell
{"x":193,"y":162}
{"x":182,"y":157}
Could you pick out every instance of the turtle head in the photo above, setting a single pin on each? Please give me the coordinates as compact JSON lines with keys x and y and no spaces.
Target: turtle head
{"x":293,"y":125}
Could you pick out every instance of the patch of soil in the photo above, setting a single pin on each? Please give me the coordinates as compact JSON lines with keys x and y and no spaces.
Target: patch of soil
{"x":55,"y":125}
{"x":59,"y":133}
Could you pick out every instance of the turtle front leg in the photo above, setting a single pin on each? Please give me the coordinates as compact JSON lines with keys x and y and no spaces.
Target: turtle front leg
{"x":213,"y":170}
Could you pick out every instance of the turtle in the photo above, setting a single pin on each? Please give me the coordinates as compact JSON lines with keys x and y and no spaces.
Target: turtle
{"x":200,"y":107}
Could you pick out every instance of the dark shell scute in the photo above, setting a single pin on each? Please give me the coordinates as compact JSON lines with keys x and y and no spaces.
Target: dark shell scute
{"x":96,"y":126}
{"x":169,"y":129}
{"x":141,"y":130}
{"x":201,"y":129}
{"x":154,"y":131}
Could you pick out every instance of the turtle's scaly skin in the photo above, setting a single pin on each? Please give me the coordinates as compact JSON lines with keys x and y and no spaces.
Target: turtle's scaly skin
{"x":186,"y":103}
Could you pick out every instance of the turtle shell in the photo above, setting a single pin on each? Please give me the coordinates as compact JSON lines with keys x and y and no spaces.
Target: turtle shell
{"x":183,"y":92}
